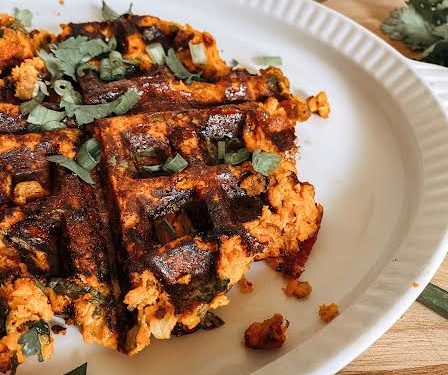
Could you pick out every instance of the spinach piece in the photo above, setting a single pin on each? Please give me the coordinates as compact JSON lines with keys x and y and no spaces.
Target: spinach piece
{"x":30,"y":339}
{"x":72,"y":166}
{"x":111,"y":15}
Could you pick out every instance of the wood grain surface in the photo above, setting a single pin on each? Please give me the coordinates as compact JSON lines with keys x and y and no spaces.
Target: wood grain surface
{"x":418,"y":343}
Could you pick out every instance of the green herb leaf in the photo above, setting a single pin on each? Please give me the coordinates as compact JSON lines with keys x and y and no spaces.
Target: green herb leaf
{"x":24,"y":16}
{"x":77,"y":50}
{"x":14,"y":364}
{"x":178,"y":69}
{"x":442,"y":4}
{"x":74,"y":290}
{"x":39,"y":285}
{"x":265,"y":162}
{"x":198,"y":53}
{"x":66,"y":91}
{"x":436,"y":299}
{"x":433,"y":11}
{"x":40,"y":115}
{"x":441,"y":31}
{"x":268,"y":60}
{"x":147,"y":152}
{"x":80,"y":71}
{"x":71,"y":165}
{"x":67,"y":288}
{"x":88,"y":113}
{"x":156,"y":53}
{"x":169,"y":228}
{"x":234,"y":63}
{"x":408,"y":25}
{"x":176,"y":164}
{"x":151,"y":168}
{"x":47,"y":127}
{"x":108,"y":13}
{"x":51,"y":63}
{"x":150,"y":33}
{"x":81,"y":370}
{"x":27,"y":107}
{"x":437,"y":54}
{"x":110,"y":71}
{"x":30,"y":339}
{"x":113,"y":67}
{"x":125,"y":102}
{"x":221,"y":149}
{"x":211,"y":321}
{"x":89,"y":154}
{"x":212,"y":151}
{"x":40,"y":88}
{"x":237,"y":157}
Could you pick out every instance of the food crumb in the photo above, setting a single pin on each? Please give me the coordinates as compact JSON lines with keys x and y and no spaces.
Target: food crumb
{"x":319,"y":104}
{"x":269,"y":334}
{"x":184,"y":279}
{"x":328,"y":312}
{"x":58,"y":330}
{"x":415,"y":284}
{"x":299,"y":289}
{"x":245,"y":285}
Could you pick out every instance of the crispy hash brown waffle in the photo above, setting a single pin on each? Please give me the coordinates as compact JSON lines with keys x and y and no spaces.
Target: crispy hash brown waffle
{"x":141,"y":250}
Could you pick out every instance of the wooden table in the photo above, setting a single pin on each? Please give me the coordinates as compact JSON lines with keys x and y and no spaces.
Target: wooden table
{"x":418,"y":342}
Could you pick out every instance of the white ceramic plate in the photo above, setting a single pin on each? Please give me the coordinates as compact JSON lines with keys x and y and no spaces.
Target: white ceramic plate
{"x":380,"y":167}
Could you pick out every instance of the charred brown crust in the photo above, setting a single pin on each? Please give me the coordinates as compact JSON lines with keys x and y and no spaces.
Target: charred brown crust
{"x":292,"y":265}
{"x":160,"y":91}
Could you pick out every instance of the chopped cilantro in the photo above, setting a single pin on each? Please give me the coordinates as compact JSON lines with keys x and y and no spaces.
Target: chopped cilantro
{"x":422,"y":25}
{"x":111,"y":15}
{"x":24,"y":16}
{"x":87,"y":113}
{"x":179,"y":69}
{"x":72,"y":52}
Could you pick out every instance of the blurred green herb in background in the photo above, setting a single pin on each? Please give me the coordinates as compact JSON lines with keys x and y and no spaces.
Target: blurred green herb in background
{"x":423,"y":26}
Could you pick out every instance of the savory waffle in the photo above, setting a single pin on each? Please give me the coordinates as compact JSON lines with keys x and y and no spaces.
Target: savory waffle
{"x":176,"y":210}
